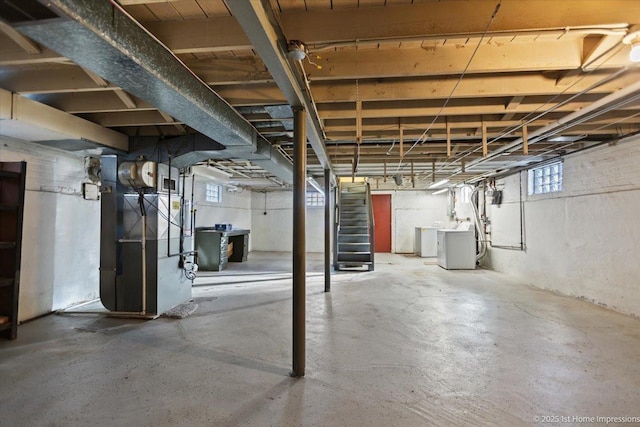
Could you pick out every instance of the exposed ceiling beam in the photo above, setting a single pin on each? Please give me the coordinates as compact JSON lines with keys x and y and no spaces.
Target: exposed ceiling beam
{"x":134,"y":118}
{"x":473,"y":86}
{"x":126,"y":99}
{"x":451,"y":18}
{"x":416,"y":109}
{"x":217,"y":34}
{"x":43,"y":123}
{"x":513,"y":103}
{"x":389,"y":22}
{"x":467,"y":122}
{"x":403,"y":63}
{"x":394,"y":22}
{"x":67,"y":78}
{"x":72,"y":79}
{"x":593,"y":109}
{"x":25,"y":43}
{"x":598,"y":54}
{"x":372,"y":125}
{"x":413,"y":62}
{"x":12,"y":54}
{"x":229,"y":70}
{"x":448,"y":60}
{"x":181,"y":128}
{"x":259,"y":23}
{"x":93,"y":102}
{"x":99,"y":81}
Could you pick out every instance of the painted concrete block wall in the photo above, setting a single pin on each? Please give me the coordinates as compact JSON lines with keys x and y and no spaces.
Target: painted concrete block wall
{"x":274,"y":231}
{"x":61,"y":247}
{"x":411,"y":209}
{"x":234,"y":209}
{"x":584,"y":241}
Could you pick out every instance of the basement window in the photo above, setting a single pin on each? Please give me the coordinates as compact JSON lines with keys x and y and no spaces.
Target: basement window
{"x":546,"y":179}
{"x":315,"y":199}
{"x":213,"y":193}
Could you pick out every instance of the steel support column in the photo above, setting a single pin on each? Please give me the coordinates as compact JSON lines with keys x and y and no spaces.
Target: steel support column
{"x":261,"y":25}
{"x":327,"y":230}
{"x":299,"y":246}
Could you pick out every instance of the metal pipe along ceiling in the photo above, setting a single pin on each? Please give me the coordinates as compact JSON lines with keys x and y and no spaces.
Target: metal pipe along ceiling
{"x":103,"y":39}
{"x":598,"y":107}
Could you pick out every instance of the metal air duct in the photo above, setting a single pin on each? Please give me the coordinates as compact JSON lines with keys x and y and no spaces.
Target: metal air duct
{"x":100,"y":37}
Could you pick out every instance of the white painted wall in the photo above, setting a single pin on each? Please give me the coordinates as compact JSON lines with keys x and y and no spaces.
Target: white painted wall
{"x":584,"y":241}
{"x":60,"y":245}
{"x":411,"y":209}
{"x":274,"y":231}
{"x":235,"y":208}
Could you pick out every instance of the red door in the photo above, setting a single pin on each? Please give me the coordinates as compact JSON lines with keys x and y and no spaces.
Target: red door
{"x":382,"y":217}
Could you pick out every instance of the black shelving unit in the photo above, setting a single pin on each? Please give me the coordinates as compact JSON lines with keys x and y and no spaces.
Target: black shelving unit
{"x":12,"y":187}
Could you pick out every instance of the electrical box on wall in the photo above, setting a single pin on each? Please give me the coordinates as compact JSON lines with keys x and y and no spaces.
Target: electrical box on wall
{"x":496,"y":197}
{"x":90,"y":191}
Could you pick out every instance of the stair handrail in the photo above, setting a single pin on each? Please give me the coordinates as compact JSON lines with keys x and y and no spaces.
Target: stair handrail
{"x":371,"y":223}
{"x":336,"y":224}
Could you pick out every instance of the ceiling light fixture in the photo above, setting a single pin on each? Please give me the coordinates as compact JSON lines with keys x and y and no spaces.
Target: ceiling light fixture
{"x":439,"y":183}
{"x":315,"y":185}
{"x":633,"y":39}
{"x":444,"y":190}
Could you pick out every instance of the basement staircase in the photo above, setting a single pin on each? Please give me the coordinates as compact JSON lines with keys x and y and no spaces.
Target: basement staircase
{"x":354,"y":246}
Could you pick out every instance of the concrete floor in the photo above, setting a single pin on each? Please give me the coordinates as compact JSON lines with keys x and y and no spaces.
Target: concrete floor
{"x":410,"y":344}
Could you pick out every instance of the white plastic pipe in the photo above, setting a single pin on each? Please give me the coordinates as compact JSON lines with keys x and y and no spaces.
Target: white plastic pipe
{"x":599,"y":104}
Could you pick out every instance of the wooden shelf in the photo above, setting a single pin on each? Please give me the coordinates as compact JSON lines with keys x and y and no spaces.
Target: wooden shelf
{"x":12,"y":177}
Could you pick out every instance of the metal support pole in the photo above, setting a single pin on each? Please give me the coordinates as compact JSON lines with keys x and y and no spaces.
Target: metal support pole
{"x":327,"y":230}
{"x":299,"y":248}
{"x":143,"y":242}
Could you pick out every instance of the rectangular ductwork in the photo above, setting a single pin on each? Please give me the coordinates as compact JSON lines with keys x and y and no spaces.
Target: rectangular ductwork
{"x":100,"y":37}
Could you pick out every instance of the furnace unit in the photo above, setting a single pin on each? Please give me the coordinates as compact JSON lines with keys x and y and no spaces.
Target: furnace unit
{"x":146,"y":244}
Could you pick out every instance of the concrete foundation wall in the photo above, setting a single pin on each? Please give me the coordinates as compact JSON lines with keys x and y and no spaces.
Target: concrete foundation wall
{"x":584,"y":241}
{"x":235,"y":208}
{"x":60,"y":244}
{"x":273,"y":231}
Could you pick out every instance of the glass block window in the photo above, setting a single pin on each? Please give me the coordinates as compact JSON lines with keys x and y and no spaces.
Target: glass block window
{"x":465,"y":194}
{"x":213,"y":193}
{"x":546,"y":179}
{"x":315,"y":199}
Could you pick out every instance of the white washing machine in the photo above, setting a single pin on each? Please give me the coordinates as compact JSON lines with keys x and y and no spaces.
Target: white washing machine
{"x":426,"y":242}
{"x":457,"y":248}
